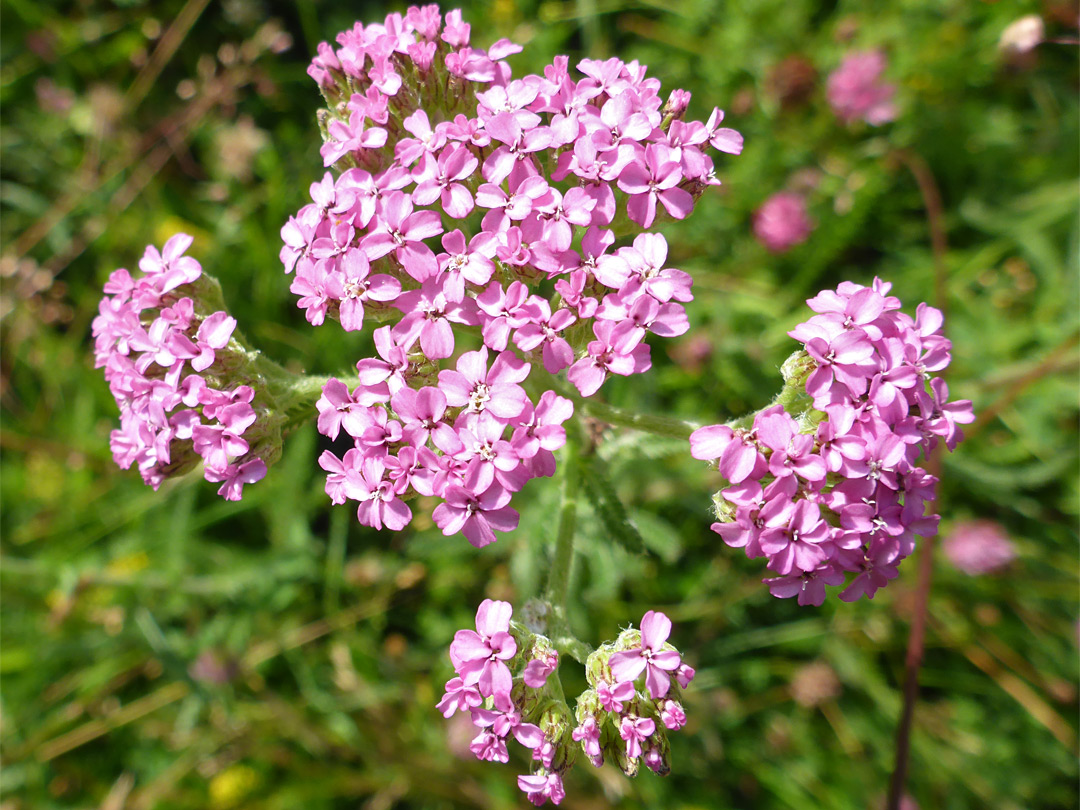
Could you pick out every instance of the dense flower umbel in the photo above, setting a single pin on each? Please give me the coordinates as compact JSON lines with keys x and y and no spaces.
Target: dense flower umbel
{"x":469,"y":201}
{"x":506,"y":679}
{"x":175,"y":369}
{"x":830,"y":485}
{"x":634,"y":700}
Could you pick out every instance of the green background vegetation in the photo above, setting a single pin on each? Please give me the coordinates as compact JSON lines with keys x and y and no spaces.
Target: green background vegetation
{"x":171,"y":650}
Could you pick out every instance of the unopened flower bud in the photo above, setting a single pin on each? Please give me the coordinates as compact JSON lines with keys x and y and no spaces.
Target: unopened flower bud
{"x":657,"y":755}
{"x":628,"y":639}
{"x":797,"y":368}
{"x":527,"y":699}
{"x":557,"y":724}
{"x":588,"y":704}
{"x":628,"y":765}
{"x":596,"y":665}
{"x":723,"y":509}
{"x":675,"y":107}
{"x":524,"y":639}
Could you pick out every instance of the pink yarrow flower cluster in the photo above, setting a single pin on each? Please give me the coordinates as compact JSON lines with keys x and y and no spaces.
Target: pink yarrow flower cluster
{"x":461,"y":191}
{"x":168,"y":364}
{"x":615,"y":716}
{"x":835,"y":489}
{"x":502,"y":680}
{"x":978,"y":547}
{"x":497,"y":702}
{"x":855,"y":89}
{"x":473,"y":440}
{"x":782,"y":222}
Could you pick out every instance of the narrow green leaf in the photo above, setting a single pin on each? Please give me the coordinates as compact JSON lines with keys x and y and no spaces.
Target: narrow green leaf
{"x":609,"y":509}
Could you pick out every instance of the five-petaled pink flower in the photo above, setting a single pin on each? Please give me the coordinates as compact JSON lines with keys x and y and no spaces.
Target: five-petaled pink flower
{"x":480,"y":656}
{"x":650,"y":658}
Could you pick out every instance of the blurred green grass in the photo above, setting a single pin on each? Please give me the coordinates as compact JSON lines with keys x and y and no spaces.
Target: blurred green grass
{"x":172,"y":650}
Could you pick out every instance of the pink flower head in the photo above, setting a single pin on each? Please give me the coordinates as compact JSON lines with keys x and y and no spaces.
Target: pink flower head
{"x":338,"y":407}
{"x":235,"y":476}
{"x":353,"y":287}
{"x":635,"y":730}
{"x":544,"y":331}
{"x":723,"y":138}
{"x":475,"y":516}
{"x":651,"y":179}
{"x":808,"y":586}
{"x":540,"y":787}
{"x":855,"y":89}
{"x":367,"y":483}
{"x":408,"y":159}
{"x":738,"y":455}
{"x":650,"y":657}
{"x":672,"y":714}
{"x":402,"y":231}
{"x":588,"y":734}
{"x":684,"y":675}
{"x":978,"y":547}
{"x":459,"y":697}
{"x":539,"y":668}
{"x":479,"y":656}
{"x":213,"y":336}
{"x":617,"y":350}
{"x":505,"y":718}
{"x":440,"y":179}
{"x":479,"y":389}
{"x":154,"y":343}
{"x":429,"y":313}
{"x":170,"y":268}
{"x":876,"y":568}
{"x":613,"y":696}
{"x":782,"y":222}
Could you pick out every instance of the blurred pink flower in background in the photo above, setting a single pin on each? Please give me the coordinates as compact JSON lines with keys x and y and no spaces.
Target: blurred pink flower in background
{"x":978,"y":547}
{"x":782,"y":222}
{"x":855,"y":89}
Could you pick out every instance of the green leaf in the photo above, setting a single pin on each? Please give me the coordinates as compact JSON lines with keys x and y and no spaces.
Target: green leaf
{"x":610,"y":510}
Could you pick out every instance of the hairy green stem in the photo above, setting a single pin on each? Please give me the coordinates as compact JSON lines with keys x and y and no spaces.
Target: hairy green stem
{"x":300,"y":395}
{"x":559,"y":575}
{"x":558,"y":629}
{"x":647,"y":423}
{"x":792,"y":397}
{"x":293,"y":395}
{"x":569,"y":645}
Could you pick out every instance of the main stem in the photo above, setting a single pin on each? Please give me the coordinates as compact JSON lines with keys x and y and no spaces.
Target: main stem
{"x":559,"y":576}
{"x":558,"y":629}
